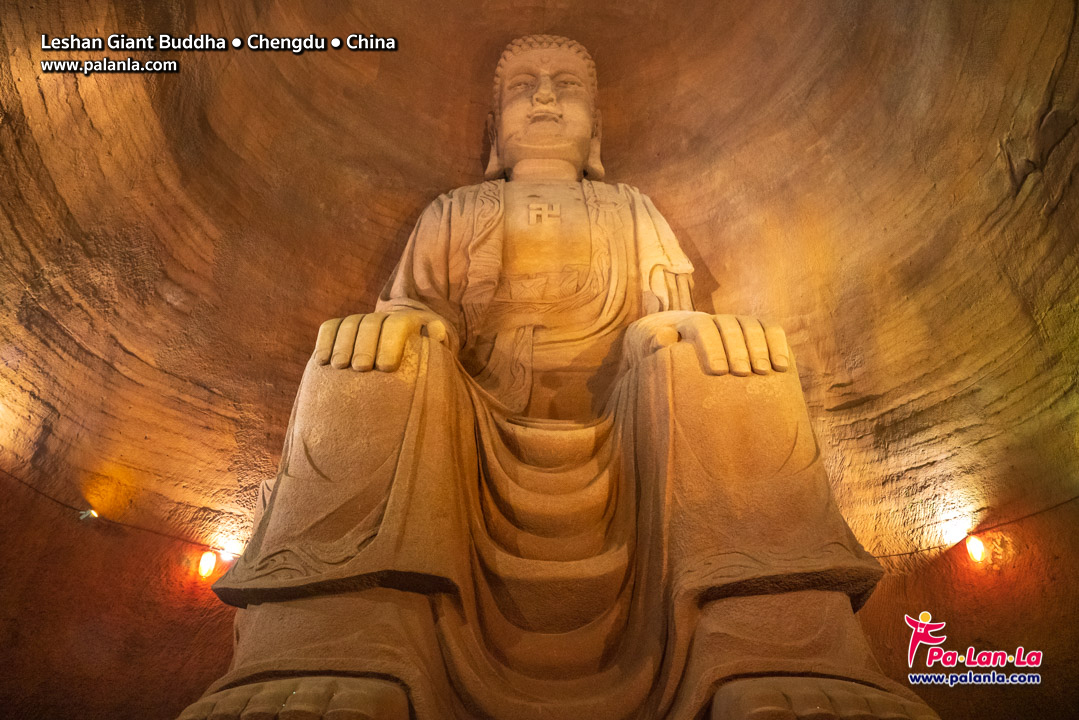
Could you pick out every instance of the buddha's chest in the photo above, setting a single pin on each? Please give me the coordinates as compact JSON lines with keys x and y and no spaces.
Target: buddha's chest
{"x":546,"y":228}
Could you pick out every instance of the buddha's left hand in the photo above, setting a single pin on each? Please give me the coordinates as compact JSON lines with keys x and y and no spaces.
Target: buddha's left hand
{"x":724,"y":343}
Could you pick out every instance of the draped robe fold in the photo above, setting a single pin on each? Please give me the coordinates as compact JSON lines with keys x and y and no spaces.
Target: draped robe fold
{"x":424,"y":527}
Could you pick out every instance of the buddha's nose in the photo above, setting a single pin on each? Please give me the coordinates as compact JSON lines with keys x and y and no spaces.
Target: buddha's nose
{"x":544,"y":91}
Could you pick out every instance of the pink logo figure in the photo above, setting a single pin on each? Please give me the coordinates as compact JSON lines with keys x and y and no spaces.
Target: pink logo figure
{"x":922,"y":634}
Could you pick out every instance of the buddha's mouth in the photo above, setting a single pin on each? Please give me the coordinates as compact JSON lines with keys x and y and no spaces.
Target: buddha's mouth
{"x":545,"y":115}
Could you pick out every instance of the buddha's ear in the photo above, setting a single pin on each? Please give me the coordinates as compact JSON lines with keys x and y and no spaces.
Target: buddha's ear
{"x":494,"y":163}
{"x":593,"y":166}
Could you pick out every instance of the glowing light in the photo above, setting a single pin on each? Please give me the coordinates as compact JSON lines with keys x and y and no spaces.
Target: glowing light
{"x":953,"y":530}
{"x":207,"y":563}
{"x":975,"y":548}
{"x":91,"y":513}
{"x":232,"y":548}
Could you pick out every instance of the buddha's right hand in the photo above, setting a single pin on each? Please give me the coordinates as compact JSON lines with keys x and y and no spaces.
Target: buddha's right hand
{"x":375,"y":340}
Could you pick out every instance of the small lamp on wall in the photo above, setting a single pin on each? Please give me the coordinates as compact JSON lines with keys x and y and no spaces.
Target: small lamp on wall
{"x":975,"y":548}
{"x":207,"y":563}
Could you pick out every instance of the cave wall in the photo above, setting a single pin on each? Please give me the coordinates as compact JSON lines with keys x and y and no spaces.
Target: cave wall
{"x":893,"y":182}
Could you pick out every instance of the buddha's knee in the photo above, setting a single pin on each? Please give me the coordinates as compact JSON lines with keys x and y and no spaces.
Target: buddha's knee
{"x":716,"y":364}
{"x":350,"y":421}
{"x":757,"y":423}
{"x":762,"y":394}
{"x":343,"y":396}
{"x":750,"y":426}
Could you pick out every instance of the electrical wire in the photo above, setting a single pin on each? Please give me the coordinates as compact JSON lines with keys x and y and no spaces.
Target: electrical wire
{"x":98,"y":518}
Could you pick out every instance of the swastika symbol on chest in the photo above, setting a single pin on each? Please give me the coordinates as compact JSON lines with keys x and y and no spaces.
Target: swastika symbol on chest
{"x":539,"y":213}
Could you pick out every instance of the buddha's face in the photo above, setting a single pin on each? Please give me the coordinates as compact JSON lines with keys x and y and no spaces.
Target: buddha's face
{"x":547,"y":108}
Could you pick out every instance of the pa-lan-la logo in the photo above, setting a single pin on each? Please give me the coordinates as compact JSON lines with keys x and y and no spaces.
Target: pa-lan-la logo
{"x":922,"y":633}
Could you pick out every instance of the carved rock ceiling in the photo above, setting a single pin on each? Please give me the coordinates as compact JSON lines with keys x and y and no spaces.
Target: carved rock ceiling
{"x":895,"y":182}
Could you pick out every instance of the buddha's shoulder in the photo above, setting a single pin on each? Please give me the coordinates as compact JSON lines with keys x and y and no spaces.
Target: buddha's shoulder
{"x":618,"y":193}
{"x":493,"y":188}
{"x":490,"y":192}
{"x":471,"y":193}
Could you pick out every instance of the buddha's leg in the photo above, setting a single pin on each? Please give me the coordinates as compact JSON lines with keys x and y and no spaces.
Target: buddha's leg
{"x":334,"y":698}
{"x":763,"y":568}
{"x":363,"y":654}
{"x":811,"y":633}
{"x":365,"y":520}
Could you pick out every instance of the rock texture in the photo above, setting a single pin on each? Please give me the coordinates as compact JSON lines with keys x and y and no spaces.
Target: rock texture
{"x":892,"y":182}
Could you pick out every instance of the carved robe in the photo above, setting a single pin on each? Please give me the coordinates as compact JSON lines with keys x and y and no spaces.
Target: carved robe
{"x":424,"y":527}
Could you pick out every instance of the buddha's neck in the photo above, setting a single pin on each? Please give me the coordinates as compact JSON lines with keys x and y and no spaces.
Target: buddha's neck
{"x":542,"y":170}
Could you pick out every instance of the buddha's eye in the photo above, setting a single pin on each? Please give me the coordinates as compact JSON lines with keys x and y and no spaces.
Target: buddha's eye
{"x":569,"y":82}
{"x":523,"y":84}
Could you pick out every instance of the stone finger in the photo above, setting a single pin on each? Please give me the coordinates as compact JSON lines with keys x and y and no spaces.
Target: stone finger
{"x":231,"y":703}
{"x":351,"y":705}
{"x":778,"y":349}
{"x":920,"y":712}
{"x":756,"y":344}
{"x":810,"y":703}
{"x":268,"y":701}
{"x":436,"y":330}
{"x":706,"y":340}
{"x":850,"y":706}
{"x":771,"y":713}
{"x":310,"y":699}
{"x":363,"y":352}
{"x":327,"y":331}
{"x":198,"y":710}
{"x":751,"y":700}
{"x":371,"y":700}
{"x":887,"y":708}
{"x":346,"y":339}
{"x":735,"y":345}
{"x":391,"y":343}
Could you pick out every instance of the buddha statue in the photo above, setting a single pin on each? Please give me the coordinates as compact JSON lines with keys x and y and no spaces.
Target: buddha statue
{"x":536,"y":483}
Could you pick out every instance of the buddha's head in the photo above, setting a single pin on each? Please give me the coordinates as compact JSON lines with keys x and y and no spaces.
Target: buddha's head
{"x":545,"y":106}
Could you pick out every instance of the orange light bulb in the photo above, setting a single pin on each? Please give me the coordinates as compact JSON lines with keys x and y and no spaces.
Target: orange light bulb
{"x":207,"y":563}
{"x":975,"y":548}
